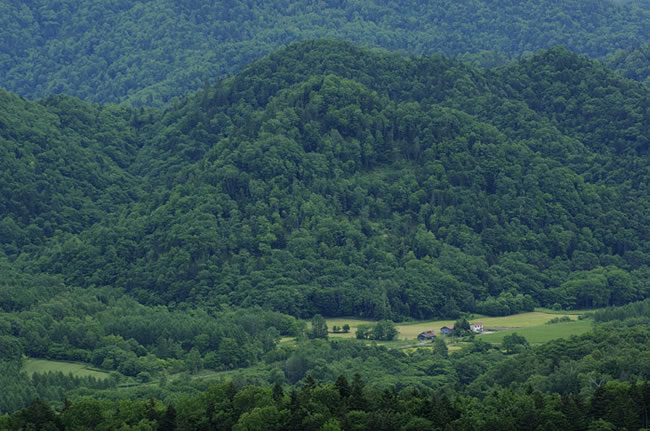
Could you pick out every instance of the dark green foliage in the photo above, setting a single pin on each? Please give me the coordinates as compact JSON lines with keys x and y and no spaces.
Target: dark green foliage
{"x":11,"y":349}
{"x":559,"y":320}
{"x":576,"y":365}
{"x":168,"y":421}
{"x":37,"y":416}
{"x":331,"y":180}
{"x":18,"y":389}
{"x":147,"y":53}
{"x":440,"y":348}
{"x":342,"y":386}
{"x":461,"y":328}
{"x":613,"y":406}
{"x":514,"y":343}
{"x":632,"y":62}
{"x":116,"y":333}
{"x":505,"y":304}
{"x":364,"y":331}
{"x":383,"y":330}
{"x":324,"y":179}
{"x":62,"y":168}
{"x":318,"y":327}
{"x":636,"y":309}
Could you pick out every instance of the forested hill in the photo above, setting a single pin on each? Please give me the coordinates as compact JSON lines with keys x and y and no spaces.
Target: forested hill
{"x":61,"y":166}
{"x":148,"y":52}
{"x":331,"y":179}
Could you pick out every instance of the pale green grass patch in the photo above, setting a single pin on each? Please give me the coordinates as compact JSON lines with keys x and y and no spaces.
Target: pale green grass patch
{"x":533,"y":323}
{"x":523,"y":320}
{"x":77,"y":369}
{"x":411,"y":330}
{"x":543,"y":333}
{"x":581,"y":311}
{"x":353,"y":322}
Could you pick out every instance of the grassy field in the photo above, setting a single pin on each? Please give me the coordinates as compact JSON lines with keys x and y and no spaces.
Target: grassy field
{"x":340,"y":321}
{"x":532,"y":325}
{"x":411,"y":330}
{"x":32,"y":366}
{"x":551,"y":311}
{"x":523,"y":320}
{"x":543,"y":333}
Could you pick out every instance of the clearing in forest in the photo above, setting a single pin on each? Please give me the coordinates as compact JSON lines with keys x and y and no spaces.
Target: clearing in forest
{"x":77,"y":369}
{"x":531,"y":325}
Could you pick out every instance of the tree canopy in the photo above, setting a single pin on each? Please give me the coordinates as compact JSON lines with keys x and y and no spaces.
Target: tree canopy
{"x":328,"y":179}
{"x":331,"y":180}
{"x":147,"y":53}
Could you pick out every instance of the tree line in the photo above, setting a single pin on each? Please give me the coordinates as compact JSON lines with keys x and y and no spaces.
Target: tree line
{"x":350,"y":405}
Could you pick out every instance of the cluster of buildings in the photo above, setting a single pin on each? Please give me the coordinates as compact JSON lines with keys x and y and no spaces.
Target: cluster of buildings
{"x":476,"y":327}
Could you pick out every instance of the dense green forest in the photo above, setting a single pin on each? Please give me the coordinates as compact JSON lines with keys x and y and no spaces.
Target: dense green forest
{"x":334,"y":180}
{"x":348,"y":405}
{"x":150,"y":51}
{"x":597,"y":381}
{"x":633,"y":63}
{"x":327,"y":179}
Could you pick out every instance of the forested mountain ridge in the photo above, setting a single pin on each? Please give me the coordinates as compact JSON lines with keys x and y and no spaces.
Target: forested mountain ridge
{"x":633,"y":63}
{"x":327,"y":178}
{"x":62,"y":166}
{"x":331,"y":179}
{"x":149,"y":52}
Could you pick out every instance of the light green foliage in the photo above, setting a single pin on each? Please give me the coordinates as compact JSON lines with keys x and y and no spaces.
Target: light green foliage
{"x":318,"y":327}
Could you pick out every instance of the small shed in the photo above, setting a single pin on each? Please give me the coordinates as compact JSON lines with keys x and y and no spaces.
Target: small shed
{"x":426,"y":335}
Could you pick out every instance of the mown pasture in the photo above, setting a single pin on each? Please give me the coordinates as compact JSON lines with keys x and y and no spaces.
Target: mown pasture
{"x":533,"y":325}
{"x":78,"y":369}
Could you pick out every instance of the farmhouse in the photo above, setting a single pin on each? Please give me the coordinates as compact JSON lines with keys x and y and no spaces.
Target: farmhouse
{"x":426,"y":335}
{"x":447,"y":329}
{"x":476,"y":327}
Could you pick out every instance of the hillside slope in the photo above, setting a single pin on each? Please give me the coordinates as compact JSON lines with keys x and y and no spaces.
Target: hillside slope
{"x":148,"y":52}
{"x":331,"y":179}
{"x":62,"y":166}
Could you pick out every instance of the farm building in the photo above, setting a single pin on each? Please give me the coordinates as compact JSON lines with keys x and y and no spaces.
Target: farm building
{"x":447,"y":329}
{"x":476,"y":327}
{"x":426,"y":335}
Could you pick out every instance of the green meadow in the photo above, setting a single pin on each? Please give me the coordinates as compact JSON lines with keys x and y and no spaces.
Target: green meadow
{"x":78,"y":369}
{"x":532,"y":325}
{"x":354,"y":324}
{"x":543,"y":333}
